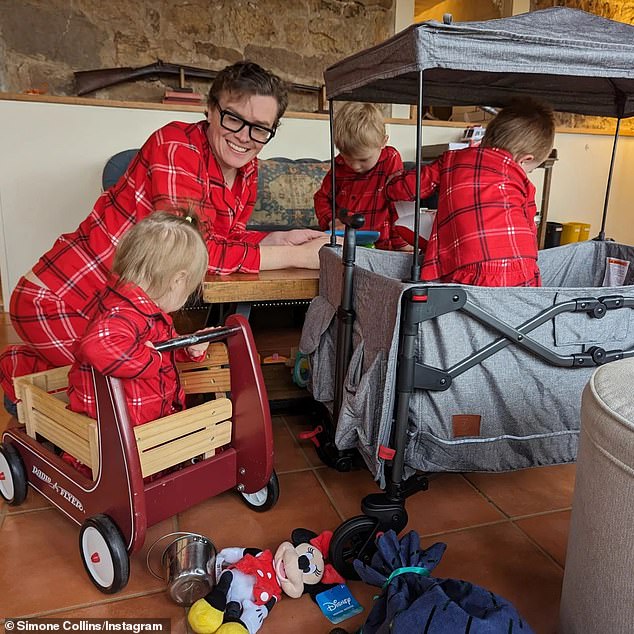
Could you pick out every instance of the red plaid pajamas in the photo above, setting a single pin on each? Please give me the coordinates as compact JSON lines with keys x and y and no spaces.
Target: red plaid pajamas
{"x":484,"y":233}
{"x":175,"y":167}
{"x":114,"y":344}
{"x":363,"y":194}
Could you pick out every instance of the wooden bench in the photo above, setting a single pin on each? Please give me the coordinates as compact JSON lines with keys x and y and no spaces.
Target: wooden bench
{"x":161,"y":444}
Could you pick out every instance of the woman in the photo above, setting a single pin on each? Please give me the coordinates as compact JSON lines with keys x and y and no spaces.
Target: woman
{"x":210,"y":167}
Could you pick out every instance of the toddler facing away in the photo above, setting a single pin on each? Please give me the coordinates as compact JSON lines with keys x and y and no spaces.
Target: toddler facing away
{"x":484,"y":232}
{"x":158,"y":264}
{"x":362,"y":168}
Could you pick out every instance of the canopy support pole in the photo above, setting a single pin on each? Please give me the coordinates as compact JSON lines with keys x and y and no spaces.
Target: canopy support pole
{"x":331,"y":116}
{"x":601,"y":235}
{"x":416,"y":256}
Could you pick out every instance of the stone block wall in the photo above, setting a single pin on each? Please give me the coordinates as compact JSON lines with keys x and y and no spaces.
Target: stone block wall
{"x":42,"y":42}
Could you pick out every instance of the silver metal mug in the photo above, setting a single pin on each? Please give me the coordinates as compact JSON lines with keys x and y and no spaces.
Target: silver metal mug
{"x":188,"y":561}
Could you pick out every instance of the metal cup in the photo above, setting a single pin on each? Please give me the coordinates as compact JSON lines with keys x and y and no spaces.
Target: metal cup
{"x":189,"y":562}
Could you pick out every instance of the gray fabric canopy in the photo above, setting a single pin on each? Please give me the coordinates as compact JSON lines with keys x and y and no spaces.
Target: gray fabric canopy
{"x":576,"y":61}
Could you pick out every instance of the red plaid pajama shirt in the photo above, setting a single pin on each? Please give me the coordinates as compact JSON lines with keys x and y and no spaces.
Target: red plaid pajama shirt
{"x":484,"y":232}
{"x":175,"y":167}
{"x":125,"y":319}
{"x":363,"y":194}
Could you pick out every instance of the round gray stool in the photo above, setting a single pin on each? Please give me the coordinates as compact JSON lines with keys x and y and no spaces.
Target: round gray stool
{"x":598,"y":589}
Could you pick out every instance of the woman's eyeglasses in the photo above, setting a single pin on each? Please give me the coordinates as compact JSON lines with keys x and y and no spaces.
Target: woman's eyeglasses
{"x":233,"y":122}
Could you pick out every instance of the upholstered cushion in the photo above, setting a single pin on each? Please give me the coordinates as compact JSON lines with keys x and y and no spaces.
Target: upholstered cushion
{"x":598,"y":582}
{"x":285,"y":193}
{"x":115,"y":167}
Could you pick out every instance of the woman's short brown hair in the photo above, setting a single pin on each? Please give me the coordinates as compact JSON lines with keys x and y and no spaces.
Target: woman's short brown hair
{"x":156,"y":248}
{"x":525,"y":126}
{"x":249,"y":78}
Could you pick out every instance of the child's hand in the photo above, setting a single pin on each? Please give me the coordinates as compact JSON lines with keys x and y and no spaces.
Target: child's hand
{"x":197,"y":350}
{"x":149,"y":344}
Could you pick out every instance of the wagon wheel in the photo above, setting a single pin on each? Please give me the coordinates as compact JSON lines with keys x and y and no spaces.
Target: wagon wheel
{"x":265,"y":498}
{"x":104,"y":554}
{"x":12,"y":475}
{"x":354,"y":539}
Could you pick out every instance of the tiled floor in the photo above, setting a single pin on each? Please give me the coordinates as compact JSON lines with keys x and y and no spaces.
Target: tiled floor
{"x":506,"y":532}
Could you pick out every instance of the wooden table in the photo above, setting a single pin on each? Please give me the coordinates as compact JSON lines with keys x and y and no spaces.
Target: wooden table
{"x":265,"y":286}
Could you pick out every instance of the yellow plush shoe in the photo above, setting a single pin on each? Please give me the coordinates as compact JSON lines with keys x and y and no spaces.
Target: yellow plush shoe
{"x":205,"y":619}
{"x":233,"y":628}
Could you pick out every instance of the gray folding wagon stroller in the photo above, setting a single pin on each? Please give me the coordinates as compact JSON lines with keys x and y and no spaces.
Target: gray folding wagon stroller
{"x":421,"y":377}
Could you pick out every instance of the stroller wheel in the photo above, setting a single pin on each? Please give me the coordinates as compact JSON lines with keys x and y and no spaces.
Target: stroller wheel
{"x":354,"y":539}
{"x":265,"y":498}
{"x":12,"y":475}
{"x":104,"y":554}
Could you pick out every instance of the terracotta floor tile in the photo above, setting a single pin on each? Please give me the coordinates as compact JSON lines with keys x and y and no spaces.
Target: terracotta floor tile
{"x":449,"y":503}
{"x":550,"y":531}
{"x":289,"y":456}
{"x":530,"y":490}
{"x":227,"y":521}
{"x":43,"y":546}
{"x":154,"y":606}
{"x":301,"y":423}
{"x":502,"y":559}
{"x":34,"y":501}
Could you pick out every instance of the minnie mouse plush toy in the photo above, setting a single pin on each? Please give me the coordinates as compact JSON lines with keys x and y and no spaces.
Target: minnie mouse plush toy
{"x":252,"y":581}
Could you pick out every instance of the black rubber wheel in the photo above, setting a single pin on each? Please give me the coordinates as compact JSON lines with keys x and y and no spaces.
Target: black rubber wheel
{"x":266,"y":498}
{"x":354,"y":539}
{"x":13,"y":484}
{"x":104,"y":554}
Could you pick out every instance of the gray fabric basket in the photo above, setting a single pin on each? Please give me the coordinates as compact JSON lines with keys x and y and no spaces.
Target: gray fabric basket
{"x":529,"y":409}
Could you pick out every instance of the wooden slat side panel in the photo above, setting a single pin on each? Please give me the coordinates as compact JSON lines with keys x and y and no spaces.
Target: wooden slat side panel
{"x":169,"y":428}
{"x":217,"y":355}
{"x":206,"y":381}
{"x":56,"y":410}
{"x":63,"y":438}
{"x":182,"y":449}
{"x":48,"y":380}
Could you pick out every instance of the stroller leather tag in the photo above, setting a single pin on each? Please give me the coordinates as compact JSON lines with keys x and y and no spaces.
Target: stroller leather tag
{"x":466,"y":425}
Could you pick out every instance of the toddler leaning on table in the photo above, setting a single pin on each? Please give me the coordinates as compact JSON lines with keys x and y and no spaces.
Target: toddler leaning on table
{"x":363,"y":165}
{"x":158,"y":264}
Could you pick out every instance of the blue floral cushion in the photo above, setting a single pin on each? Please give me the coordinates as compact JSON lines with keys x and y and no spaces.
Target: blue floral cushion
{"x":285,"y":193}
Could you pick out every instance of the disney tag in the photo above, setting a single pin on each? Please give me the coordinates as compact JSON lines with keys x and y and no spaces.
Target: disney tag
{"x":338,"y":604}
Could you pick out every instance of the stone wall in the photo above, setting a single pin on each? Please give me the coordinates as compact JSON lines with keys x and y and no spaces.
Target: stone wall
{"x":42,"y":42}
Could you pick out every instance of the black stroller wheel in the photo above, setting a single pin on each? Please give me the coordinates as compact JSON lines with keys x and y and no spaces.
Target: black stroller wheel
{"x":354,"y":539}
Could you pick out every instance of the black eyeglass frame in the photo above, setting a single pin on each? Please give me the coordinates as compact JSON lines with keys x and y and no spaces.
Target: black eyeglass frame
{"x":223,"y":113}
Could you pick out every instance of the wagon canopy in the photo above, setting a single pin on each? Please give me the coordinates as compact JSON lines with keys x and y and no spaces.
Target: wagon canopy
{"x":577,"y":61}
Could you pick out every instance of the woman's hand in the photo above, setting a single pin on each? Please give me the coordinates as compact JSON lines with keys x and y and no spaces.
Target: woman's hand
{"x":291,"y":237}
{"x":297,"y":256}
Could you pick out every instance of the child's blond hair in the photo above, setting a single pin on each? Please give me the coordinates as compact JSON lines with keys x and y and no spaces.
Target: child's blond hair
{"x":159,"y":246}
{"x":358,"y":127}
{"x":525,"y":126}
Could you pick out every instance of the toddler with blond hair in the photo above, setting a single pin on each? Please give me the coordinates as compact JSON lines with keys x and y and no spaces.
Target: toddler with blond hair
{"x":362,"y":167}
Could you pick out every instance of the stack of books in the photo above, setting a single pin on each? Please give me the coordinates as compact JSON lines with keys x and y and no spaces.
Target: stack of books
{"x":183,"y":96}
